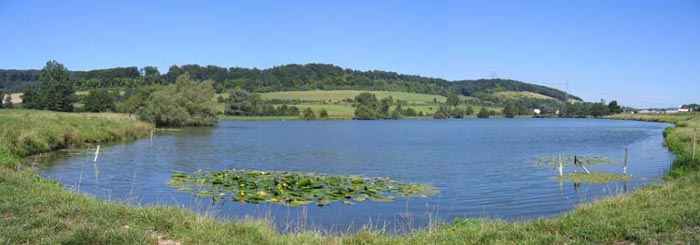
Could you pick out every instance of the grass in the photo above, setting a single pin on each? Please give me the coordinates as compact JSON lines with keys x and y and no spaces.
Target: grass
{"x":520,"y":95}
{"x":34,"y":210}
{"x":339,"y":95}
{"x":569,"y":160}
{"x":26,"y":132}
{"x":595,"y":178}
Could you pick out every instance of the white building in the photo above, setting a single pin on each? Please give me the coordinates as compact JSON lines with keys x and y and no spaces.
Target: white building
{"x":684,"y":109}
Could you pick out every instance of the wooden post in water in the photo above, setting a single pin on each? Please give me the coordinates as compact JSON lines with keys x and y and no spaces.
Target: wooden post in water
{"x":561,"y":167}
{"x":97,"y":153}
{"x":575,"y":169}
{"x":577,"y":162}
{"x":624,"y":168}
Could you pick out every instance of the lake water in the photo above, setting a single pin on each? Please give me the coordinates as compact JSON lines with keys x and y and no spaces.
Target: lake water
{"x":482,"y":167}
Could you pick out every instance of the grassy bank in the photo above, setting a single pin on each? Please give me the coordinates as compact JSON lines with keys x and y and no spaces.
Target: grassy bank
{"x":27,"y":132}
{"x":35,"y":210}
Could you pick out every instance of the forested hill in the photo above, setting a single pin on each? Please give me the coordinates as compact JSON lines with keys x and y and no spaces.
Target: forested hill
{"x":281,"y":78}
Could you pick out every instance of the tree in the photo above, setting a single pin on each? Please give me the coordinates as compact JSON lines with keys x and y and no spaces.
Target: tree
{"x":410,"y":112}
{"x":452,"y":100}
{"x":239,"y":104}
{"x":55,"y":91}
{"x":442,"y":113}
{"x":469,"y":111}
{"x":614,"y":108}
{"x":308,"y":114}
{"x":599,"y":109}
{"x":30,"y":98}
{"x":367,"y":107}
{"x":323,"y":113}
{"x":457,"y":113}
{"x":151,"y":75}
{"x":483,"y":113}
{"x":4,"y":100}
{"x":135,"y":99}
{"x":397,"y":113}
{"x":99,"y":100}
{"x":364,"y":112}
{"x":509,"y":110}
{"x":385,"y":105}
{"x":185,"y":103}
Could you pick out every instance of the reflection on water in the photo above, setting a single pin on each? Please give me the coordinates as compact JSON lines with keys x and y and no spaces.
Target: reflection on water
{"x":483,"y":168}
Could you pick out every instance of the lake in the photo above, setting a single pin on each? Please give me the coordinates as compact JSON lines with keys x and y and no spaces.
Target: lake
{"x":482,"y":167}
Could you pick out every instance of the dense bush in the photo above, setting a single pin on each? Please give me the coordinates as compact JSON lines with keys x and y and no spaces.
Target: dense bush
{"x":242,"y":103}
{"x":99,"y":100}
{"x":369,"y":108}
{"x":483,"y":113}
{"x":308,"y":114}
{"x":323,"y":114}
{"x":185,"y":103}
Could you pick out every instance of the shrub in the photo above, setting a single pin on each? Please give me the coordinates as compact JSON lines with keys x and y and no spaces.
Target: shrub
{"x":308,"y":114}
{"x":323,"y":114}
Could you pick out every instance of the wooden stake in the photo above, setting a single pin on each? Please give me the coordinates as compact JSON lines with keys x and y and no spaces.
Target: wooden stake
{"x":561,"y":167}
{"x":624,"y":168}
{"x":577,"y":162}
{"x":97,"y":153}
{"x":585,"y":169}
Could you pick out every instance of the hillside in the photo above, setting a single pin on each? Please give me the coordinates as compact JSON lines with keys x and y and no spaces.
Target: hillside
{"x":291,"y":77}
{"x":339,"y":104}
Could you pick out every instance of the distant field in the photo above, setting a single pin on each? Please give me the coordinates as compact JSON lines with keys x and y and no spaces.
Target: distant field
{"x":339,"y":95}
{"x":336,"y":106}
{"x":521,"y":94}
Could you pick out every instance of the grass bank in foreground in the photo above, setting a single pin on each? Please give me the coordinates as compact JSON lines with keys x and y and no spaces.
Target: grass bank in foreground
{"x":27,"y":132}
{"x":36,"y":210}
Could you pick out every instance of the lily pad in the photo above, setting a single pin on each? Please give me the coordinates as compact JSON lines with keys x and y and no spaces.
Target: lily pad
{"x":294,"y":189}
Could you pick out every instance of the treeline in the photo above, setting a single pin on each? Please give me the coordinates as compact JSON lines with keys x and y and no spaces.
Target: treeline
{"x":17,"y":80}
{"x":186,"y":102}
{"x":291,"y":77}
{"x":597,"y":109}
{"x":243,"y":103}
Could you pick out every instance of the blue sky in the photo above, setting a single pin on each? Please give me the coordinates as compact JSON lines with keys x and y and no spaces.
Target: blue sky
{"x":641,"y":53}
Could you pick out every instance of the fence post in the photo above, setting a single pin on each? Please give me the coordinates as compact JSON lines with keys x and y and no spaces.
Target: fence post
{"x":561,"y":167}
{"x":624,"y":169}
{"x":97,"y":153}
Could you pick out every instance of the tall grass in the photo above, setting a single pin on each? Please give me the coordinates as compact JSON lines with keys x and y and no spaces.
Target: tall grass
{"x":26,"y":132}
